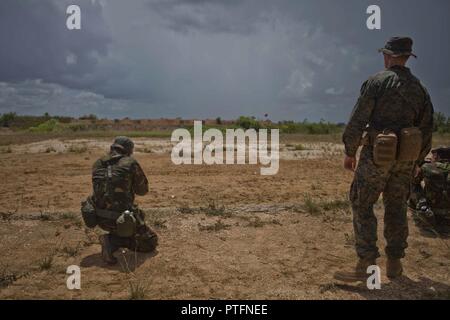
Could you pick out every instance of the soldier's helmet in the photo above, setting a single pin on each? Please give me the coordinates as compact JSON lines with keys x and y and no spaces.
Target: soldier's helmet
{"x":442,"y":152}
{"x":123,"y":145}
{"x":398,"y":46}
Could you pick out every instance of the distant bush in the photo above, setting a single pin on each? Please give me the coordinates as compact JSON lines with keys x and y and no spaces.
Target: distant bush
{"x":14,"y":121}
{"x":89,"y":117}
{"x":77,"y":127}
{"x":51,"y":125}
{"x":7,"y":119}
{"x":306,"y":127}
{"x":441,"y":123}
{"x":248,"y":123}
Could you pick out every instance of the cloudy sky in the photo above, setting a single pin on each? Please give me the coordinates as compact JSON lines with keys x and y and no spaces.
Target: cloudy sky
{"x":292,"y":59}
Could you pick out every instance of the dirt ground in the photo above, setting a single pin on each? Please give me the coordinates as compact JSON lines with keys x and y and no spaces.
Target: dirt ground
{"x":225,"y":231}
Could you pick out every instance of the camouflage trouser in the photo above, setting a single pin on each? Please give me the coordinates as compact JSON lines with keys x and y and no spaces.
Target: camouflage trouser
{"x":145,"y":240}
{"x":369,"y":182}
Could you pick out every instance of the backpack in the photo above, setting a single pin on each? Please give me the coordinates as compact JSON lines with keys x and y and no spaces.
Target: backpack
{"x":111,"y":181}
{"x":437,"y":183}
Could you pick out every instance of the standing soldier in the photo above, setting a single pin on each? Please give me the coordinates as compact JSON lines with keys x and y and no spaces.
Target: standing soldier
{"x":117,"y":178}
{"x":395,"y":114}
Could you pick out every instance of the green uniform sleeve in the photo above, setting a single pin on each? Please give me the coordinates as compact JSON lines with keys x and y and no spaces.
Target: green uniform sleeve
{"x":426,"y":126}
{"x":360,"y":117}
{"x":140,"y":182}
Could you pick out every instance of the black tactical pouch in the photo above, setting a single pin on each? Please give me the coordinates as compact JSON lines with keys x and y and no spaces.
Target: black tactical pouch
{"x":88,"y":213}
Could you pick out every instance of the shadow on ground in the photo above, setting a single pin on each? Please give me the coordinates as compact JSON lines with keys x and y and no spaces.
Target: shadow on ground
{"x":128,"y":261}
{"x":402,"y":288}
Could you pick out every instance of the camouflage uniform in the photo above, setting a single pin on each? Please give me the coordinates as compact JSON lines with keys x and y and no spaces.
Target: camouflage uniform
{"x":127,"y":180}
{"x":392,"y":99}
{"x":431,"y":203}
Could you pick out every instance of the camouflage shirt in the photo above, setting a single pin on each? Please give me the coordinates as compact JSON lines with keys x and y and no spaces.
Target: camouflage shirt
{"x":391,"y":99}
{"x":127,"y":180}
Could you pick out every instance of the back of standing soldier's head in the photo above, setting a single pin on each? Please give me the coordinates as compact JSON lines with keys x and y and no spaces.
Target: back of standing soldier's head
{"x":397,"y":51}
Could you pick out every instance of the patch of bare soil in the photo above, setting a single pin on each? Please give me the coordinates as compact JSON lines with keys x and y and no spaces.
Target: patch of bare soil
{"x":226,"y":232}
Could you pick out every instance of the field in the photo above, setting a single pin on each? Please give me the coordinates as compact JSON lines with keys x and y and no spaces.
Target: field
{"x":226,"y":232}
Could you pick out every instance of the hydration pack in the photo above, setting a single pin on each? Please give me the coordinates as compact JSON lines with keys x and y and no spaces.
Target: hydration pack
{"x":111,"y":184}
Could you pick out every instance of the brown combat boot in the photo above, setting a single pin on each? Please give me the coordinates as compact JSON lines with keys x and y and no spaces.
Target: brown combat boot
{"x":358,"y":274}
{"x":394,"y":268}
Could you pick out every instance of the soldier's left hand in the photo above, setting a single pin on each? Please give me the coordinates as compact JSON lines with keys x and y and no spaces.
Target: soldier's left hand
{"x":350,"y":163}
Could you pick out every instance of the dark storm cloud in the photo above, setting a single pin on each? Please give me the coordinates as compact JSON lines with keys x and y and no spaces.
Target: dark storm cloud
{"x":37,"y":45}
{"x":206,"y":58}
{"x":214,"y":16}
{"x":35,"y":97}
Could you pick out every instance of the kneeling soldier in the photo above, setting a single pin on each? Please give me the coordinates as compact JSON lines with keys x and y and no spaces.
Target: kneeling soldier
{"x":430,"y":203}
{"x":117,"y":178}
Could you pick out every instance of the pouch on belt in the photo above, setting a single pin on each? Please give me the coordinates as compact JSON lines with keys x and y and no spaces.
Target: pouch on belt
{"x":410,"y":144}
{"x":385,"y":148}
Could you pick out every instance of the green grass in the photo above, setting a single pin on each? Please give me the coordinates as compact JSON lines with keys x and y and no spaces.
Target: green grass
{"x":310,"y":205}
{"x":7,"y":277}
{"x":349,"y":239}
{"x":257,"y":222}
{"x":338,"y":204}
{"x":46,"y":263}
{"x":68,"y":216}
{"x":44,"y":216}
{"x":186,"y":210}
{"x":71,"y":251}
{"x":51,"y":125}
{"x":218,"y":226}
{"x":7,"y":216}
{"x":214,"y":208}
{"x":321,"y":207}
{"x":137,"y":290}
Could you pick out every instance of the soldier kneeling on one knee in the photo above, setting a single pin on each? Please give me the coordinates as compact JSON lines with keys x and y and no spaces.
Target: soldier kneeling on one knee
{"x":430,"y":194}
{"x":117,"y":178}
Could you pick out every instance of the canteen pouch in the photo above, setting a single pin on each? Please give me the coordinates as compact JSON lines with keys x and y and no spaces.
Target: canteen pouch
{"x":126,"y":225}
{"x":385,"y":149}
{"x":410,"y":144}
{"x":88,"y":213}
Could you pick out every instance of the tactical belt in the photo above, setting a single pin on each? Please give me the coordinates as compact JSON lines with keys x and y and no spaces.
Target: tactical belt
{"x":368,"y":137}
{"x":108,"y":214}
